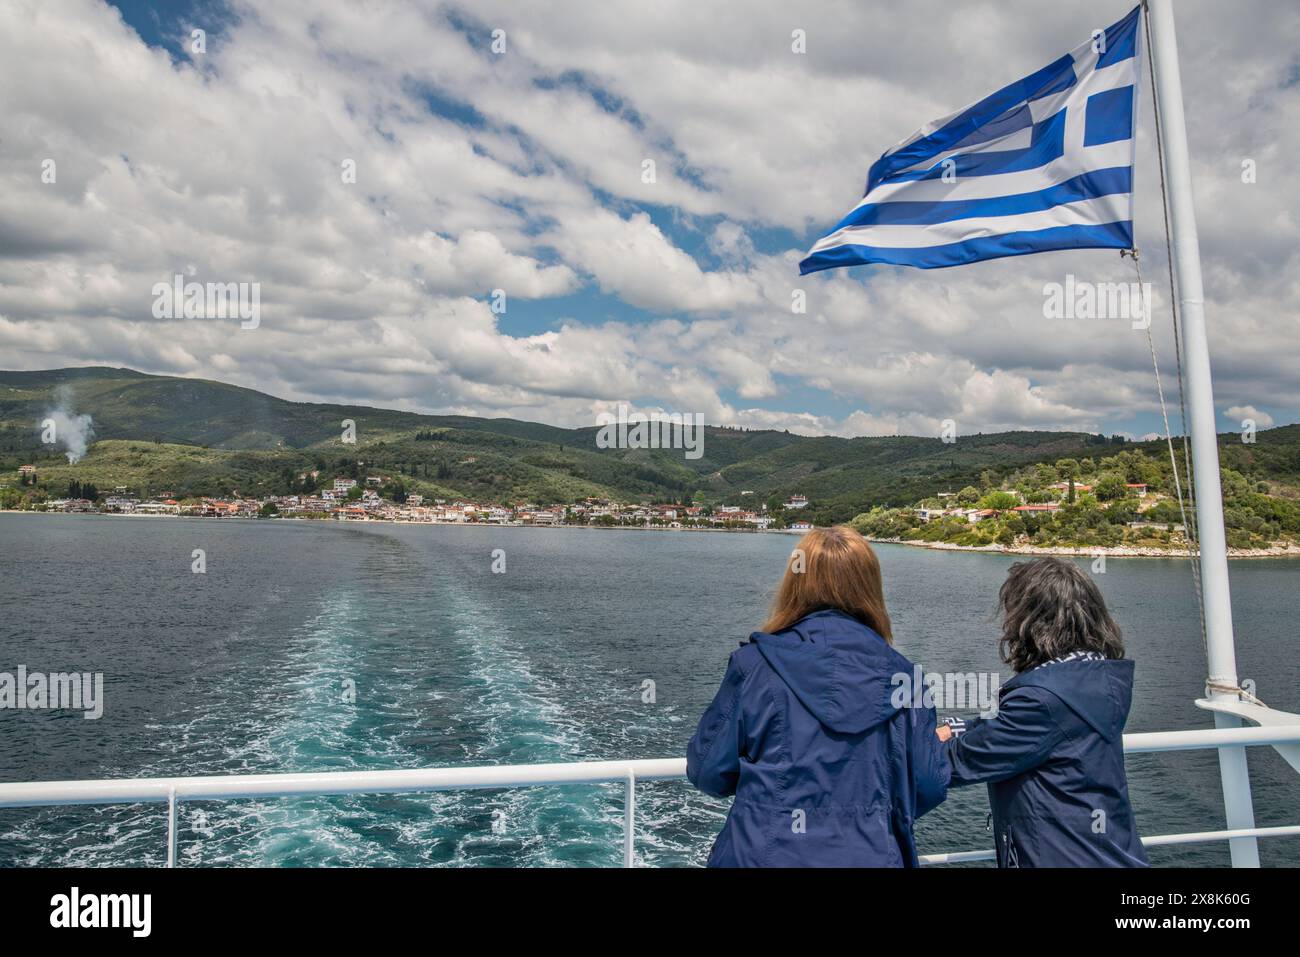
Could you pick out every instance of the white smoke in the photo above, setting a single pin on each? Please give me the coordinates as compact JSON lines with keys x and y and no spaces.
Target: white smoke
{"x":61,"y":426}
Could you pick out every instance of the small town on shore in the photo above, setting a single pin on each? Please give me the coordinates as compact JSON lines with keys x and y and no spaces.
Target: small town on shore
{"x":1123,"y":505}
{"x":353,"y":500}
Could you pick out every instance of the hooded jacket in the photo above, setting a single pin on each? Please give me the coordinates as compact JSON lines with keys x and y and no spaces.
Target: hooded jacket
{"x":818,"y":734}
{"x":1053,"y":759}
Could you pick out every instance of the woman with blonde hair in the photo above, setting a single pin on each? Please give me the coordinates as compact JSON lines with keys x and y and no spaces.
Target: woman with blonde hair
{"x":817,"y":729}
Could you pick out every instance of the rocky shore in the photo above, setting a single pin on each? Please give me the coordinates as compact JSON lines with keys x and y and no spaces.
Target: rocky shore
{"x":1280,"y":550}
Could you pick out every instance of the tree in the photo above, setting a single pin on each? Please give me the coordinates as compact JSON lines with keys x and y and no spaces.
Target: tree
{"x":1122,"y":511}
{"x":1110,"y":486}
{"x":968,"y":496}
{"x":394,"y":491}
{"x":1164,"y":512}
{"x":999,"y":500}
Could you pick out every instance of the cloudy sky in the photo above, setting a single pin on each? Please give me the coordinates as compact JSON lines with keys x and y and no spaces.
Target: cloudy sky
{"x":521,"y":168}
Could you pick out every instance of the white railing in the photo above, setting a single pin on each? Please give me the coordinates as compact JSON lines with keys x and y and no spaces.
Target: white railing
{"x":234,"y":786}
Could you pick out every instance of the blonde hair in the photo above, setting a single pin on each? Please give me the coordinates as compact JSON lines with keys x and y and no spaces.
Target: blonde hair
{"x":831,"y":568}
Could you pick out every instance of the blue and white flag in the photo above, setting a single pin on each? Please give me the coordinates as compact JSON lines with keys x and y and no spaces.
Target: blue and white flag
{"x":1045,"y":163}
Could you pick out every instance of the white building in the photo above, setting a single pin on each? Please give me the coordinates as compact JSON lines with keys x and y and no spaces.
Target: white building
{"x":544,"y":517}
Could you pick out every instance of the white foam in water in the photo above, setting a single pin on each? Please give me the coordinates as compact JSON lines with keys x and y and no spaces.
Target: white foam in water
{"x":306,"y":728}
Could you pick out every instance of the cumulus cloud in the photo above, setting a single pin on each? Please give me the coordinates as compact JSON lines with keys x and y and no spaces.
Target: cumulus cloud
{"x":381,"y":172}
{"x":1241,"y":413}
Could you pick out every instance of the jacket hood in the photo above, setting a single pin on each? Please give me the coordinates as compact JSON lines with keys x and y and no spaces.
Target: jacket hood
{"x":838,"y":668}
{"x":1099,"y":692}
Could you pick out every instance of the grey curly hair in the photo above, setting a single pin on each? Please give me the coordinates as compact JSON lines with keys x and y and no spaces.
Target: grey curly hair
{"x":1050,"y":608}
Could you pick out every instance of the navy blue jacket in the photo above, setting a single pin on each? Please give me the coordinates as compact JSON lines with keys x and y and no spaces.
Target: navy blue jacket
{"x":1053,"y":759}
{"x":826,"y":768}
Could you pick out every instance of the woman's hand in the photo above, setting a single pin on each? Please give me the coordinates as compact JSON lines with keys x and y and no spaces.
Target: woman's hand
{"x":944,"y":732}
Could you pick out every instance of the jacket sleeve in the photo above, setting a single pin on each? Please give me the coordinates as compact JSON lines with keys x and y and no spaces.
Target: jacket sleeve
{"x":713,"y":756}
{"x":930,"y":769}
{"x":1018,"y":738}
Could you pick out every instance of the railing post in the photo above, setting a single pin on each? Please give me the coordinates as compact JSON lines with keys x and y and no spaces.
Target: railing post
{"x":1238,"y":807}
{"x":171,"y":827}
{"x":629,"y":820}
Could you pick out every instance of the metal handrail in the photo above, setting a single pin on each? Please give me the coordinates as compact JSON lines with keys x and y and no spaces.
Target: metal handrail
{"x":318,"y":783}
{"x":172,"y":790}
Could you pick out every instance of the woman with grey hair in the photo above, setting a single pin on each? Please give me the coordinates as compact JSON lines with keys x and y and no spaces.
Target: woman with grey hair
{"x":1053,"y":754}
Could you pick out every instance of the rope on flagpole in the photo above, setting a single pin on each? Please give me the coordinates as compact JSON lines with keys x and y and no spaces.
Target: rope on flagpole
{"x":1186,"y":509}
{"x":1188,"y":534}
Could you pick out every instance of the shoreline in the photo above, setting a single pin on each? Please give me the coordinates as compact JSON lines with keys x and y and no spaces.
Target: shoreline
{"x":1287,"y":550}
{"x":407,"y":521}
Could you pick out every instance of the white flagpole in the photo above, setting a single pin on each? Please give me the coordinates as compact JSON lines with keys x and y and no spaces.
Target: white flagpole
{"x":1220,"y":651}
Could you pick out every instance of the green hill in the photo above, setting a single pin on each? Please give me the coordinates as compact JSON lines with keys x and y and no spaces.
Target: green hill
{"x":194,"y":437}
{"x":1124,"y":499}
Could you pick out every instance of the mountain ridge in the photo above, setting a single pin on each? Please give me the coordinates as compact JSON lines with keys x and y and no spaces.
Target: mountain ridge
{"x":203,"y":436}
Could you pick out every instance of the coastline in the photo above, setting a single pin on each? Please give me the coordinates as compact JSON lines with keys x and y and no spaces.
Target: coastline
{"x":407,"y":521}
{"x":1287,"y":550}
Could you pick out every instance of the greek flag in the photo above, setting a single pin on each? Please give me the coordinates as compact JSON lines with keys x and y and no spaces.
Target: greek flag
{"x":1045,"y":163}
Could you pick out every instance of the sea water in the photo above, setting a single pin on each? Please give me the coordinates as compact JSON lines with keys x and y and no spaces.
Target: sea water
{"x":308,"y":646}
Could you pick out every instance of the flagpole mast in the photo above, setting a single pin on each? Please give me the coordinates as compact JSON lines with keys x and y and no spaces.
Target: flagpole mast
{"x":1220,"y":650}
